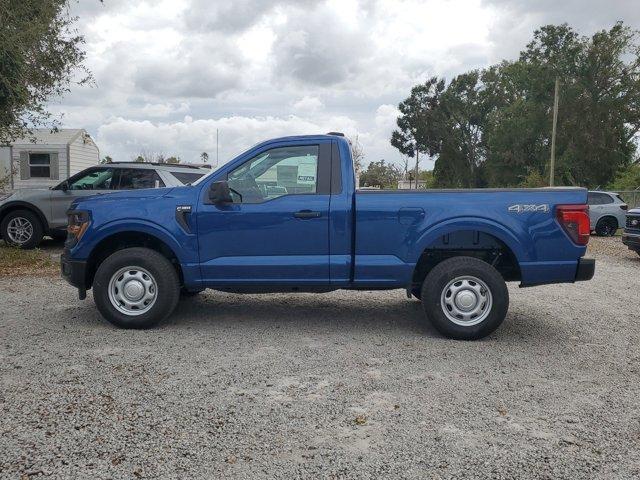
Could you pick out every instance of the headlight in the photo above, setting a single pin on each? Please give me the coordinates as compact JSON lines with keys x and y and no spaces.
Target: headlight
{"x":77,"y":223}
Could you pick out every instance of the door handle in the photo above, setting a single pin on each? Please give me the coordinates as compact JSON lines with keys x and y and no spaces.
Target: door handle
{"x":306,"y":214}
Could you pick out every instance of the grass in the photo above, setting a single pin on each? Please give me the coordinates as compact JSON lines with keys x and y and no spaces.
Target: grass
{"x":18,"y":263}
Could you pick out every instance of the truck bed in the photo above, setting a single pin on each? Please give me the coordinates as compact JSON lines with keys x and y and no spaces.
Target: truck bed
{"x":393,"y":228}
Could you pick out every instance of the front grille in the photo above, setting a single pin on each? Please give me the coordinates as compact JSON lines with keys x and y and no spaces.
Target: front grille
{"x":633,"y":222}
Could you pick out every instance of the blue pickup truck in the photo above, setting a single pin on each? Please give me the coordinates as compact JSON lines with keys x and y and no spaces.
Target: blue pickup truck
{"x":285,"y":216}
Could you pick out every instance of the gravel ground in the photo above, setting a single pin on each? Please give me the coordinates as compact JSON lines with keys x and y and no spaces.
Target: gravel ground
{"x":341,"y":385}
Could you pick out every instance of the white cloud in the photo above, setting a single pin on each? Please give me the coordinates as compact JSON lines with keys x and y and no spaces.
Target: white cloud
{"x":124,"y":138}
{"x":163,"y":109}
{"x":308,"y":104}
{"x":171,"y":72}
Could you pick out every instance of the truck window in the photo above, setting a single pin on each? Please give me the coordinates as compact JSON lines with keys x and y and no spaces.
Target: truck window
{"x":276,"y":172}
{"x":136,"y":178}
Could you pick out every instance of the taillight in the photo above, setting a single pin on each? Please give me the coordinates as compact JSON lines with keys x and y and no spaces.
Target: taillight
{"x":624,"y":206}
{"x":575,"y":221}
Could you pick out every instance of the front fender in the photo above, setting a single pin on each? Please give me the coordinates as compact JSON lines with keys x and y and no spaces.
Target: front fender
{"x":20,"y":204}
{"x":94,"y":236}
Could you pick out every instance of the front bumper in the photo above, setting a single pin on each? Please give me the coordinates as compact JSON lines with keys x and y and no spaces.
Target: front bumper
{"x":74,"y":272}
{"x":631,"y":240}
{"x":586,"y":269}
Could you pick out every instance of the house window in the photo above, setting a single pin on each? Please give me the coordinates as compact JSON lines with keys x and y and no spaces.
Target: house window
{"x":39,"y":165}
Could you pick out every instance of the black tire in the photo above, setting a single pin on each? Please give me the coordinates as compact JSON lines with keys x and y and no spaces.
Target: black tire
{"x":161,"y":271}
{"x":438,"y":280}
{"x":606,"y":227}
{"x":37,"y":230}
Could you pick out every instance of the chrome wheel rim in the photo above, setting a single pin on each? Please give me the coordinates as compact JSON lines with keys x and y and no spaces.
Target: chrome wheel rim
{"x":19,"y":230}
{"x":133,"y":291}
{"x":466,"y":301}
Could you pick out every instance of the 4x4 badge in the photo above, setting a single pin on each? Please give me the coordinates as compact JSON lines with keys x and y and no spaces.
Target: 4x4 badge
{"x":543,"y":208}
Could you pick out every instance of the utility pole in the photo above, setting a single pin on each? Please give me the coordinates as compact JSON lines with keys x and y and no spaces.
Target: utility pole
{"x":553,"y":132}
{"x":417,"y":163}
{"x":217,"y":142}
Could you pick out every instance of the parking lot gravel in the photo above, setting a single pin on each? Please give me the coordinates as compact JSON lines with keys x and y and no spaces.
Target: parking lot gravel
{"x":340,"y":385}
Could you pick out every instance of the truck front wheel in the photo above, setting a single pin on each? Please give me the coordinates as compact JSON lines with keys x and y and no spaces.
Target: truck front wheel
{"x":136,"y":288}
{"x":465,"y":298}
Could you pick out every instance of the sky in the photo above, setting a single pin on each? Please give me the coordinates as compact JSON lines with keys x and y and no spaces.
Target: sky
{"x":169,"y":73}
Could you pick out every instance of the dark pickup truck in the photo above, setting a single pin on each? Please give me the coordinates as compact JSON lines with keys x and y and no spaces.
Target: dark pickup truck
{"x":286,"y":216}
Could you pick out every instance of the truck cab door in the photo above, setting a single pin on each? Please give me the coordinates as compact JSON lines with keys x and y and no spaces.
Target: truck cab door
{"x":276,"y":229}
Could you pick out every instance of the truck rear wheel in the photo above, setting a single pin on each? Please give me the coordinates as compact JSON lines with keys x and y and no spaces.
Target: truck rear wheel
{"x":465,"y":298}
{"x":136,"y":288}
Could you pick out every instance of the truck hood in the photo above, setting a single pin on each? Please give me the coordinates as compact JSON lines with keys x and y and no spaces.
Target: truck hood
{"x":121,"y":197}
{"x":634,"y":211}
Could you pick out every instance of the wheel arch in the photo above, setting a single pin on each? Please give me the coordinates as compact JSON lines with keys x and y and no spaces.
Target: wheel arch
{"x":127,"y":239}
{"x":21,"y":205}
{"x":487,"y":241}
{"x":607,"y":216}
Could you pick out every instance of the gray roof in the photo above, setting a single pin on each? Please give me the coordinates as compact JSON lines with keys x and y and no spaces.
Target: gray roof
{"x":44,"y":136}
{"x":171,"y":167}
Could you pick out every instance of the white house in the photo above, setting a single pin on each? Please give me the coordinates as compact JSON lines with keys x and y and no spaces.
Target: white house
{"x":51,"y":158}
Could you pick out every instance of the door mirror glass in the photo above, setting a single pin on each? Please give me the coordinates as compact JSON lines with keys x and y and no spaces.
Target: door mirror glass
{"x":219,"y":193}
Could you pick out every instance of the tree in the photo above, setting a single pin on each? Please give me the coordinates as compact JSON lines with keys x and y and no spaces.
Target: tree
{"x":204,"y":156}
{"x":6,"y":175}
{"x":357,"y":153}
{"x":149,"y":156}
{"x":106,"y":159}
{"x":627,"y":178}
{"x":172,"y":160}
{"x":419,"y":125}
{"x":380,"y":174}
{"x":599,"y":109}
{"x":41,"y":56}
{"x":493,"y":127}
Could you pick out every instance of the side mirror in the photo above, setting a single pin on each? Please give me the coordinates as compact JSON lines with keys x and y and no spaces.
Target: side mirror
{"x":219,"y":192}
{"x":65,"y":186}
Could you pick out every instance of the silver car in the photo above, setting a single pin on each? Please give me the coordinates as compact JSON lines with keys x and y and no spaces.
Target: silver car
{"x":607,"y":212}
{"x":28,"y":214}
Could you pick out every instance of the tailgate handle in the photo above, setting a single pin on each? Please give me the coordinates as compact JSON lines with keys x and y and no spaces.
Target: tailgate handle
{"x":306,"y":214}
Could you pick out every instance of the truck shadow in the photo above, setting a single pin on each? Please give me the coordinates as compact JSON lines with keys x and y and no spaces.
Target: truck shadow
{"x":392,"y":316}
{"x":303,"y":312}
{"x":342,"y":313}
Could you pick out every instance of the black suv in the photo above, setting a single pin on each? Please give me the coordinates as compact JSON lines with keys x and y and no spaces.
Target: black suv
{"x":631,"y":235}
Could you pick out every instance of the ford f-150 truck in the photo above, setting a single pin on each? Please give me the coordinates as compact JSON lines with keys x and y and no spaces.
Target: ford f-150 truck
{"x":285,"y":216}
